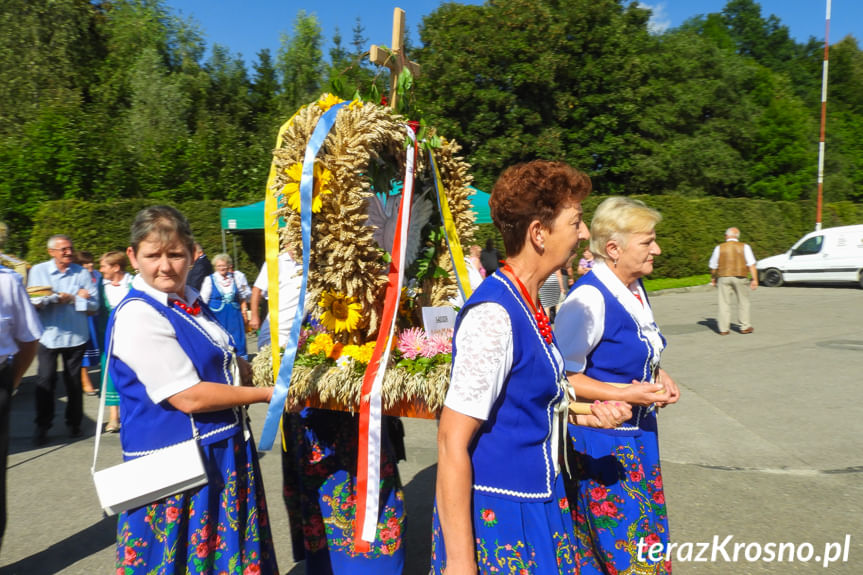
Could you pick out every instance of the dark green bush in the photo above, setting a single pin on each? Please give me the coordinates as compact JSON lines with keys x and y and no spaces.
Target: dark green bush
{"x":689,"y":229}
{"x":101,"y":227}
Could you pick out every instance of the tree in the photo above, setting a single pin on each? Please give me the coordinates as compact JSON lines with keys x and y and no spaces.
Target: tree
{"x":515,"y":80}
{"x":300,"y":62}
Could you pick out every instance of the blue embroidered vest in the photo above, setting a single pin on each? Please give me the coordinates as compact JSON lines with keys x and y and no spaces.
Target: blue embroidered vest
{"x":623,"y":353}
{"x":219,"y":300}
{"x":148,"y":426}
{"x":512,"y":451}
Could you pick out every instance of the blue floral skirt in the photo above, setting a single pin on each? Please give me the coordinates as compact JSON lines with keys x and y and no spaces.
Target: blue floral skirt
{"x":92,"y":355}
{"x":618,"y":499}
{"x":222,"y":527}
{"x":319,"y":461}
{"x":231,"y":318}
{"x":523,"y":538}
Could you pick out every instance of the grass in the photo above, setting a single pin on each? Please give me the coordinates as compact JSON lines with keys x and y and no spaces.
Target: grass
{"x":668,"y":283}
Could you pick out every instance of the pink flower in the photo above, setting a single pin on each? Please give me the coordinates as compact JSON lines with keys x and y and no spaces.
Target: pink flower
{"x":658,"y":482}
{"x":659,"y":497}
{"x":438,"y":342}
{"x":636,"y":476}
{"x":488,"y":515}
{"x":598,"y":493}
{"x":253,"y":569}
{"x":129,"y":556}
{"x":563,"y":503}
{"x":412,"y":342}
{"x":171,"y":513}
{"x":608,"y":508}
{"x":202,"y":550}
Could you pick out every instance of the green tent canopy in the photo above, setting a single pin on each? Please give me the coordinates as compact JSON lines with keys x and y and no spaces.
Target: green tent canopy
{"x":251,"y":217}
{"x":479,"y":199}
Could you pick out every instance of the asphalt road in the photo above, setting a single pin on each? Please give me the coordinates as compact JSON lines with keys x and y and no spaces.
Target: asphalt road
{"x":763,"y":449}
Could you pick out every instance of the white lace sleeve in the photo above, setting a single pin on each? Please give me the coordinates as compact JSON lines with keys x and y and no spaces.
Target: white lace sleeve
{"x":482,"y":362}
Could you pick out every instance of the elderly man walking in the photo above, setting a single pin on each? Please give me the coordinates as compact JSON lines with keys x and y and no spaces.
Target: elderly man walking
{"x":64,"y":318}
{"x":731,"y":265}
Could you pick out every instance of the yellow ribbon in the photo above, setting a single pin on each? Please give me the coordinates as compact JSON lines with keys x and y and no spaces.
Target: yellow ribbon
{"x":271,"y":243}
{"x":458,"y":262}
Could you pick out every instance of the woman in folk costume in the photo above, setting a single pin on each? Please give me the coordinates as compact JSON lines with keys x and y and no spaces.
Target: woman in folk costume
{"x":92,"y":353}
{"x":115,"y":285}
{"x":319,"y":470}
{"x":608,"y":336}
{"x":221,"y":292}
{"x":170,"y":361}
{"x":500,"y":500}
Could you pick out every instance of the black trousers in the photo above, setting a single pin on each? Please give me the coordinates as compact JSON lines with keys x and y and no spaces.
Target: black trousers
{"x":72,"y":357}
{"x":5,"y":408}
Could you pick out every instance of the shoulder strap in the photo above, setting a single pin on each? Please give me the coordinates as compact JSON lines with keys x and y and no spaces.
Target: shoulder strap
{"x":101,"y":417}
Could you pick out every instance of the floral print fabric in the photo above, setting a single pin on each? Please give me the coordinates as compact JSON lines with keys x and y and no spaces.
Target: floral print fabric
{"x":319,"y":462}
{"x":518,"y":538}
{"x":222,"y":527}
{"x":618,"y":500}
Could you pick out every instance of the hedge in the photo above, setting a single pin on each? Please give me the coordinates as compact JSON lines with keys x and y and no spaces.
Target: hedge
{"x":101,"y":227}
{"x":689,"y":229}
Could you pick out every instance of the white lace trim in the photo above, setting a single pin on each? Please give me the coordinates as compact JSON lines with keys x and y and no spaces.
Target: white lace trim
{"x":484,"y":358}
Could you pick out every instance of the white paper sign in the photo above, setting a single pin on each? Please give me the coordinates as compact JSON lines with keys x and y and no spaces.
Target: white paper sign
{"x":437,"y":318}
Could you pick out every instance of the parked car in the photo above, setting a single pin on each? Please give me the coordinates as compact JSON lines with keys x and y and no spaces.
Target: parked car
{"x":828,"y":255}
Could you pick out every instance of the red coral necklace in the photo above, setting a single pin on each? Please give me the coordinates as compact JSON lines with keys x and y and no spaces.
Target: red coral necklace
{"x":538,"y":312}
{"x":193,"y":309}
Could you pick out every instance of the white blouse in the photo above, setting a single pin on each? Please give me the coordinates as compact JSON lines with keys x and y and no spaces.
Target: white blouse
{"x":115,"y":293}
{"x":580,"y":321}
{"x":224,"y":284}
{"x":142,"y":335}
{"x":484,"y":360}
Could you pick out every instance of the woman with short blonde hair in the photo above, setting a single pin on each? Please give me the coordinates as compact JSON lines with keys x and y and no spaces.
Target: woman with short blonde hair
{"x":611,"y":347}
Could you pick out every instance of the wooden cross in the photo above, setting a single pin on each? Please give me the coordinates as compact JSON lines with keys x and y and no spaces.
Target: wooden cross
{"x":395,"y":59}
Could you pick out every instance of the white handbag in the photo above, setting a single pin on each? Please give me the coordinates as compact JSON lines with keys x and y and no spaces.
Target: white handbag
{"x":148,"y":478}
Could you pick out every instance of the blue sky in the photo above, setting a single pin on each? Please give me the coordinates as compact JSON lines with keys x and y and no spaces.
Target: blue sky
{"x":246,"y":26}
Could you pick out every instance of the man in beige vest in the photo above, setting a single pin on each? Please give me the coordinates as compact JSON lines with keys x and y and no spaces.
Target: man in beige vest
{"x":731,"y":265}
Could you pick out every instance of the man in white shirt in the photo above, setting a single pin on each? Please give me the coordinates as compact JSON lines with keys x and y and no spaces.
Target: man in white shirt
{"x":290,"y":279}
{"x":20,"y":330}
{"x":730,"y":264}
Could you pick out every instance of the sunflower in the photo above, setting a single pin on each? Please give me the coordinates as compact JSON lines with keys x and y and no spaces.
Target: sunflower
{"x":341,"y":313}
{"x":322,"y":177}
{"x":327,"y":101}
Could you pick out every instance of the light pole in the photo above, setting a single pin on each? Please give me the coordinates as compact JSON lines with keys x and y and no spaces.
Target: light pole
{"x":823,"y":120}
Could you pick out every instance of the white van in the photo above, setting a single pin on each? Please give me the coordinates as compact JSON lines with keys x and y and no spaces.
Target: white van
{"x":828,"y":255}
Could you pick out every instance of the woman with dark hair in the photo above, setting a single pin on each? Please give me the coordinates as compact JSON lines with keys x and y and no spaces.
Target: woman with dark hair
{"x":489,"y":258}
{"x":92,"y":354}
{"x":190,"y":391}
{"x":612,"y":345}
{"x":500,"y":500}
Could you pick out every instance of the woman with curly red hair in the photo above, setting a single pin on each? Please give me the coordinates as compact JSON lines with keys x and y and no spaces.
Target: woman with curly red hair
{"x":500,"y":500}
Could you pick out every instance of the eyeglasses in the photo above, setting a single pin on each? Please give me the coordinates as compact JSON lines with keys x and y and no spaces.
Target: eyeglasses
{"x":64,"y":250}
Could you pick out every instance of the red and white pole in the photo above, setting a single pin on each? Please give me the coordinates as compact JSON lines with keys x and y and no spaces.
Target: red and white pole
{"x":823,"y":120}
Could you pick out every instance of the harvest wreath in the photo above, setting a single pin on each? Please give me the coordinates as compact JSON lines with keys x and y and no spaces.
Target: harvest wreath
{"x":360,"y":176}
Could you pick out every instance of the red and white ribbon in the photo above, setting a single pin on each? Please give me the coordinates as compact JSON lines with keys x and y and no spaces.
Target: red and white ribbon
{"x":369,"y":449}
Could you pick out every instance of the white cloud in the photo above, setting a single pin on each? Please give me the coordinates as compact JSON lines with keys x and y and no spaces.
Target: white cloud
{"x":659,"y":21}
